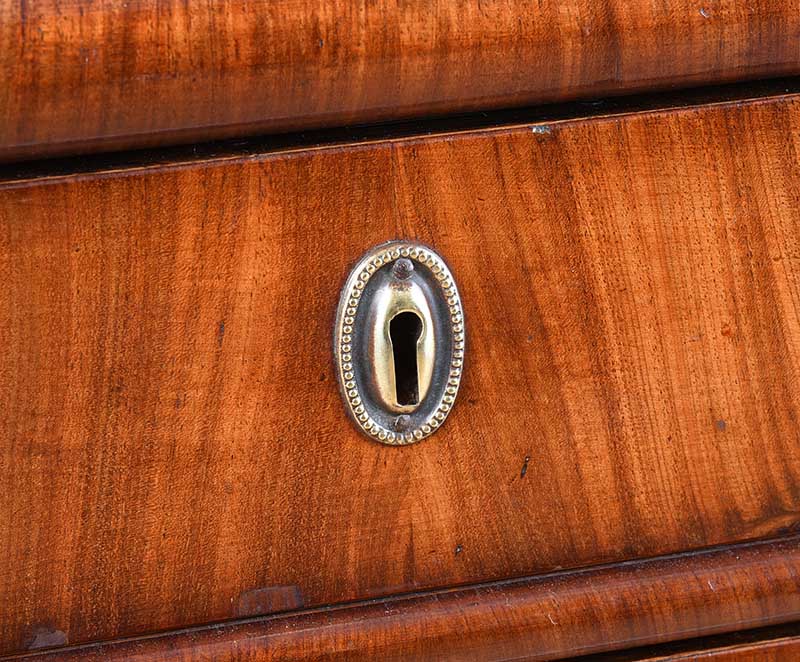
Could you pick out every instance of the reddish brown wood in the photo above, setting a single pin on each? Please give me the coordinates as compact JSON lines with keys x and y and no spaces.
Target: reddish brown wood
{"x":537,"y":619}
{"x":84,"y":75}
{"x":778,"y":649}
{"x":781,"y":650}
{"x":172,"y":438}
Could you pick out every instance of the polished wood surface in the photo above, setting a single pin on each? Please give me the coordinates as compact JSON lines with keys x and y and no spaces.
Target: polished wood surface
{"x":779,"y":649}
{"x":173,"y":439}
{"x":784,"y":650}
{"x":538,"y":619}
{"x":82,"y":75}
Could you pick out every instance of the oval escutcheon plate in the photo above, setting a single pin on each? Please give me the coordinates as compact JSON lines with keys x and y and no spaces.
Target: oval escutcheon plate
{"x":399,"y":342}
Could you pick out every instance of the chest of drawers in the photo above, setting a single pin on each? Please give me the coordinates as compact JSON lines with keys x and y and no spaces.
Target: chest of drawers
{"x":618,"y":475}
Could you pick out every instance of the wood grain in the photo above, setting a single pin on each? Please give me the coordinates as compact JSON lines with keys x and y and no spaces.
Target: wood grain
{"x":84,"y":75}
{"x":784,"y":648}
{"x":173,"y":438}
{"x":538,"y":619}
{"x":787,"y":650}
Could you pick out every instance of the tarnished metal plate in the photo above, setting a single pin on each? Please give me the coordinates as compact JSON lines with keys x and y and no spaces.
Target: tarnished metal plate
{"x":399,"y":342}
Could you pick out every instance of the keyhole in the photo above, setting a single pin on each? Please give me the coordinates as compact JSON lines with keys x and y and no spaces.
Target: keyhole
{"x":404,"y":331}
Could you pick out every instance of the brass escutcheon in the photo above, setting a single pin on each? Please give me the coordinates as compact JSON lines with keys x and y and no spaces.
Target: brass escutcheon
{"x":399,"y":342}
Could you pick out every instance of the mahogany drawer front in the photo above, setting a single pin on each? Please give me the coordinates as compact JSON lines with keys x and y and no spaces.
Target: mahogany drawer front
{"x":89,"y":75}
{"x":714,"y":594}
{"x":175,"y":450}
{"x":782,"y":645}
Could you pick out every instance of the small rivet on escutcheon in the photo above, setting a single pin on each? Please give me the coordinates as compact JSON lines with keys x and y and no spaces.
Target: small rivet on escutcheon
{"x":402,"y":268}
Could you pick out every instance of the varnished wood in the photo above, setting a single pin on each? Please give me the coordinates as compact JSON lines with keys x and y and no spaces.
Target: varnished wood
{"x":84,"y":75}
{"x":784,"y":648}
{"x":538,"y":619}
{"x":787,"y":650}
{"x":781,"y":650}
{"x":172,"y":438}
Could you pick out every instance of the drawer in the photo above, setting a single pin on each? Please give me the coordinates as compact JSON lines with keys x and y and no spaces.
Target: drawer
{"x":175,"y":449}
{"x":99,"y":75}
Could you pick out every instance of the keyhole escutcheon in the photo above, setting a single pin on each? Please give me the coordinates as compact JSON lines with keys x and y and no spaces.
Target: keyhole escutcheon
{"x":399,"y":342}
